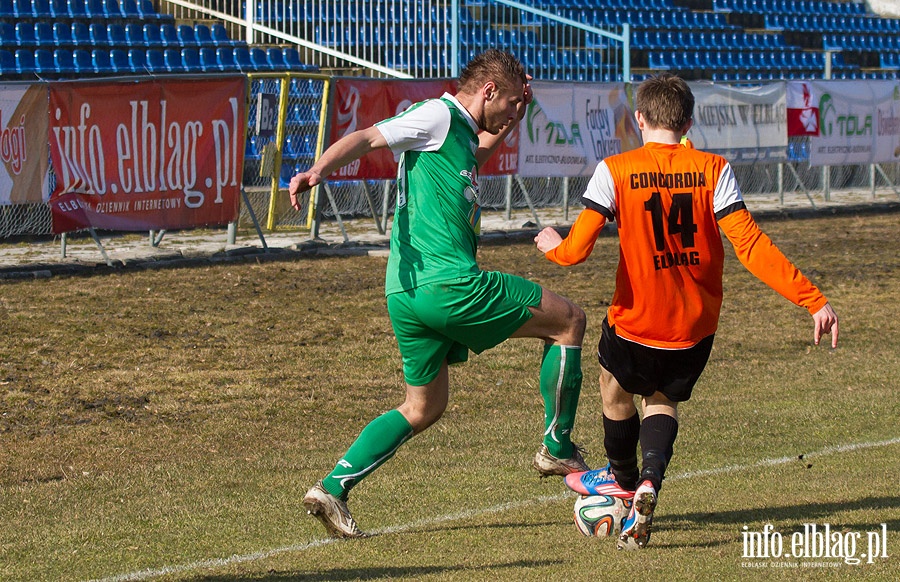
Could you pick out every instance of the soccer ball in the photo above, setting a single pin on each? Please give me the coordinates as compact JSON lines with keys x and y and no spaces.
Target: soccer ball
{"x":600,"y":515}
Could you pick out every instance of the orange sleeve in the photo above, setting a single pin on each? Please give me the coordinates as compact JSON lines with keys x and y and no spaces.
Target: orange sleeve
{"x":577,"y":246}
{"x":760,"y":256}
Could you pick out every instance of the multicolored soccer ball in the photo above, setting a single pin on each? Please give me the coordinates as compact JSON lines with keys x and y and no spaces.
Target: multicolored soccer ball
{"x":601,"y":515}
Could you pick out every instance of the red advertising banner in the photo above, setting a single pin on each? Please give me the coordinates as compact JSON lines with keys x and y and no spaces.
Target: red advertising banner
{"x":361,"y":103}
{"x":23,"y":144}
{"x":151,"y":155}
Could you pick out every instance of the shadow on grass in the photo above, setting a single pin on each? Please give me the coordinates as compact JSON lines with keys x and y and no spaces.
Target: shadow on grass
{"x":384,"y":573}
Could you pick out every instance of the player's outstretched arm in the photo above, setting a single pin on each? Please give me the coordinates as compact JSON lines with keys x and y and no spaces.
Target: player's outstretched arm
{"x":826,"y":321}
{"x":578,"y":245}
{"x":347,"y":149}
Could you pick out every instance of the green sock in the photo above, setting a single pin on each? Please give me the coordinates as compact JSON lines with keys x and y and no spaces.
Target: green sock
{"x":560,"y":387}
{"x":377,"y":443}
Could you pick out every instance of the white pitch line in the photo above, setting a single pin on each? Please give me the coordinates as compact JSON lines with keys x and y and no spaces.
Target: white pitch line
{"x":462,"y":515}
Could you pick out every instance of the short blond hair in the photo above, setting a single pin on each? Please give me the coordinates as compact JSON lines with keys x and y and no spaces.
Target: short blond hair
{"x":498,"y":66}
{"x":665,"y":101}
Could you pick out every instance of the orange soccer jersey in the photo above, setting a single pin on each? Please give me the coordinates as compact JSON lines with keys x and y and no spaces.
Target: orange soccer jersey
{"x":669,"y":202}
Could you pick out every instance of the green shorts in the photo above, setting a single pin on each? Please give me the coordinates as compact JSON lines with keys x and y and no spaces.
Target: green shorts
{"x":443,"y":321}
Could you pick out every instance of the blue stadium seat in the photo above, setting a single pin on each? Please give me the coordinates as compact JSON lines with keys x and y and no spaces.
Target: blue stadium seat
{"x":137,"y":60}
{"x":220,"y":35}
{"x":172,"y":60}
{"x":25,"y":34}
{"x":101,"y":59}
{"x":169,"y":35}
{"x":83,"y":62}
{"x":292,"y":60}
{"x":186,"y":36}
{"x":118,"y":60}
{"x":41,"y":9}
{"x":134,"y":34}
{"x":152,"y":35}
{"x":62,"y":34}
{"x":7,"y":10}
{"x":156,"y":61}
{"x":96,"y":9}
{"x":259,"y":60}
{"x":8,"y":35}
{"x":225,"y":58}
{"x":97,"y":33}
{"x":24,"y":61}
{"x":129,"y":9}
{"x":190,"y":60}
{"x":81,"y":36}
{"x":208,"y":60}
{"x":148,"y":12}
{"x":115,"y":34}
{"x":77,"y":9}
{"x":44,"y":63}
{"x":203,"y":36}
{"x":242,"y":58}
{"x":64,"y":61}
{"x":43,"y":33}
{"x":7,"y":63}
{"x":275,"y":57}
{"x":22,"y":9}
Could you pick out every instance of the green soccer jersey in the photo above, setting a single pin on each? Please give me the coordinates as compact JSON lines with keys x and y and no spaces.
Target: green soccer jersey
{"x":437,"y":219}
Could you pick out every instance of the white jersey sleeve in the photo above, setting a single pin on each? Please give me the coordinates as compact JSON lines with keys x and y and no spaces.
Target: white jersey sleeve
{"x":423,"y":127}
{"x":600,"y":194}
{"x":727,"y":194}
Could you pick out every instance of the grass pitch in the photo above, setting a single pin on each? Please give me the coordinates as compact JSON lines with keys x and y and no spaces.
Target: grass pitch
{"x":165,"y":424}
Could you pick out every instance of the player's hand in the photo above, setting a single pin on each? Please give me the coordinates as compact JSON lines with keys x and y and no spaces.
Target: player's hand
{"x":527,"y":98}
{"x":547,"y":240}
{"x":826,"y":321}
{"x":300,"y":183}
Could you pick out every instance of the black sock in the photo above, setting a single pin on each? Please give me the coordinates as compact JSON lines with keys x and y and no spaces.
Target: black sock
{"x":620,"y":438}
{"x":658,"y":434}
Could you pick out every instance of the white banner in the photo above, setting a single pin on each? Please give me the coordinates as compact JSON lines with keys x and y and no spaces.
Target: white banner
{"x":570,"y":127}
{"x":741,"y":124}
{"x":859,"y":122}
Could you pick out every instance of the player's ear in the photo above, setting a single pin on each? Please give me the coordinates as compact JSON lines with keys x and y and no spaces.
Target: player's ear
{"x":688,"y":126}
{"x":489,"y":90}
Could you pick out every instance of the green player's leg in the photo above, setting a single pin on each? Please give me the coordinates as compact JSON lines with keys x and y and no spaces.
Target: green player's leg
{"x":377,"y":443}
{"x":560,"y":388}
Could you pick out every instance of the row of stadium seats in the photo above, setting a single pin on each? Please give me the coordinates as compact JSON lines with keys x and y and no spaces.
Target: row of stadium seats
{"x":80,"y":9}
{"x":670,"y":19}
{"x":814,"y":23}
{"x":678,"y":40}
{"x":64,"y":63}
{"x":822,"y":7}
{"x":355,"y":13}
{"x":741,"y":60}
{"x":866,"y":42}
{"x":79,"y":34}
{"x":624,"y":4}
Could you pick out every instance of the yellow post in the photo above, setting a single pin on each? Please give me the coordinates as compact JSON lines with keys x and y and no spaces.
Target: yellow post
{"x":320,"y":141}
{"x":279,"y":144}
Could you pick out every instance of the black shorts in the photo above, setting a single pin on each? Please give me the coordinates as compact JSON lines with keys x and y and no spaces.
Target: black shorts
{"x":643,"y":370}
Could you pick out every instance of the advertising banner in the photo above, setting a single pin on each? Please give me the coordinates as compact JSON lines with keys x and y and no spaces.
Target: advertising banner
{"x":742,"y":124}
{"x":155,"y":154}
{"x":802,"y":110}
{"x":859,"y":122}
{"x":23,"y":144}
{"x":361,"y":103}
{"x":570,"y":127}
